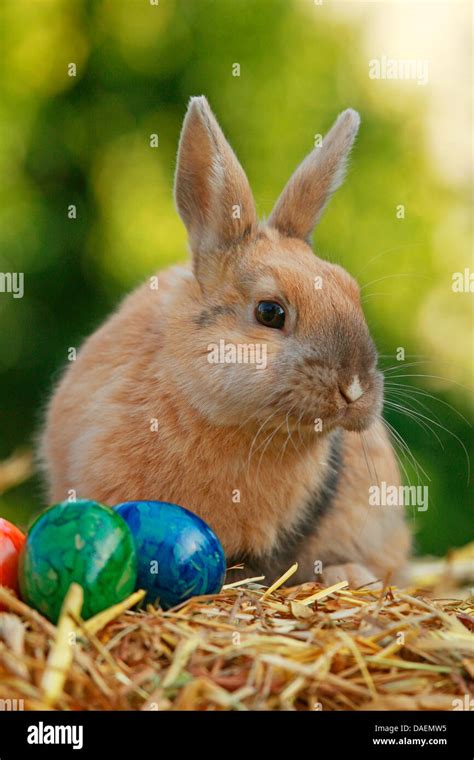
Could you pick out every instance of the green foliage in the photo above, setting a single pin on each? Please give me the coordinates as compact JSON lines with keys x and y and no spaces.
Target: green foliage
{"x":84,"y":140}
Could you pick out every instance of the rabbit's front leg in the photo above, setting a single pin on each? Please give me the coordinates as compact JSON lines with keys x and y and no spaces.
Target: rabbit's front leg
{"x":355,"y":574}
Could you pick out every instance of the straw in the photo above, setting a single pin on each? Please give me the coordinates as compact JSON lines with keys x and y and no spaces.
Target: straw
{"x":61,"y":654}
{"x":251,"y":647}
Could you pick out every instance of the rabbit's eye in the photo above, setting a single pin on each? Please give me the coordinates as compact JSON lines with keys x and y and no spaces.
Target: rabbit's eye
{"x":270,"y":314}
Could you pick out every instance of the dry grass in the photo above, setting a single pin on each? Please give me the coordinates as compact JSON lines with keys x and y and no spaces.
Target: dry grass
{"x":252,"y":648}
{"x":249,"y":647}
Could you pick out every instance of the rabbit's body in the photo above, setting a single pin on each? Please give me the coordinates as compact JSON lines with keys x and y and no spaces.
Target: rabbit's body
{"x":143,"y":414}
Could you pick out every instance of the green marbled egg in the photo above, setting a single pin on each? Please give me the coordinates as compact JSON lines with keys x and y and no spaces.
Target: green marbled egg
{"x":79,"y":541}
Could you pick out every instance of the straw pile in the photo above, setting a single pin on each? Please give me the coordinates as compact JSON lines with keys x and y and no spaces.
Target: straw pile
{"x":250,"y":648}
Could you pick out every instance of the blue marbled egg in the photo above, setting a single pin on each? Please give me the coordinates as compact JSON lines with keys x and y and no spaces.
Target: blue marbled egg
{"x":178,"y":554}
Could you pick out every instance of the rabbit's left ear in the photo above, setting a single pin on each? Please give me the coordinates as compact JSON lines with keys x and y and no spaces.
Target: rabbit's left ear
{"x":212,"y":193}
{"x":299,"y":207}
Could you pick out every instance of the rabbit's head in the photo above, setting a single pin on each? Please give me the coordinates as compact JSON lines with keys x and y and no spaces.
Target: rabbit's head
{"x":278,"y":335}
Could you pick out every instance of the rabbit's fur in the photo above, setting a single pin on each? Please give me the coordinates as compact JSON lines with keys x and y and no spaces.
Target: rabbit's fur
{"x":143,"y":414}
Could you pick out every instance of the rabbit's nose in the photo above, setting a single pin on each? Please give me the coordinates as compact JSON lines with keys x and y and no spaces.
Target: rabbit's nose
{"x":353,"y":391}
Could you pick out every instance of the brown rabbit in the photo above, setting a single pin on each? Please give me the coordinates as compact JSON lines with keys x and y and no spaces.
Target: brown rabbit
{"x":166,"y":400}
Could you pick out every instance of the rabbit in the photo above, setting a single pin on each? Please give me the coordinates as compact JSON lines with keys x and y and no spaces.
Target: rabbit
{"x":271,"y":457}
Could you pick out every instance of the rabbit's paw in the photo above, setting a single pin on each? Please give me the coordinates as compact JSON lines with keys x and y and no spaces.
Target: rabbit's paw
{"x":356,"y":575}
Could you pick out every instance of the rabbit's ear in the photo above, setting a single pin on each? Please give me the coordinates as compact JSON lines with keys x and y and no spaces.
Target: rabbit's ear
{"x":212,"y":193}
{"x":299,"y":207}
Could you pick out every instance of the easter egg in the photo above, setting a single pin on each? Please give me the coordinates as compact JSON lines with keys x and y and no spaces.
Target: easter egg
{"x":178,"y":554}
{"x":11,"y":542}
{"x":79,"y":541}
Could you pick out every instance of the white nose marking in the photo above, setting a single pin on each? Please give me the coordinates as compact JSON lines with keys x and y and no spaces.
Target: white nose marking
{"x":354,"y":391}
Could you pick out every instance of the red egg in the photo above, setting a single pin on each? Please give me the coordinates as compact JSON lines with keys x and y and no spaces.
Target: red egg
{"x":11,"y":542}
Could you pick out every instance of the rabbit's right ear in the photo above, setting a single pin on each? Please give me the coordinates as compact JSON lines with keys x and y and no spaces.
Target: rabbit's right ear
{"x":303,"y":200}
{"x":212,"y":193}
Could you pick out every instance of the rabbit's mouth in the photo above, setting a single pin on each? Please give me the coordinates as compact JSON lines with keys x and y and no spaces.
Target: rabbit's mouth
{"x":358,"y":420}
{"x":313,"y":405}
{"x":321,"y":404}
{"x":362,"y":405}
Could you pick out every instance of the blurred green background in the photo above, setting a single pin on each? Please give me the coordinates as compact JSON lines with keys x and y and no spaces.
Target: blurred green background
{"x":85,"y":140}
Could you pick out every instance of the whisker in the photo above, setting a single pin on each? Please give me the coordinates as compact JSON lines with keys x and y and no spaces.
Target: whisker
{"x":398,"y":456}
{"x":254,"y":440}
{"x":373,"y":295}
{"x":423,"y":425}
{"x":384,"y":253}
{"x":410,"y":356}
{"x":415,"y":463}
{"x":365,"y":455}
{"x":373,"y":475}
{"x":392,"y":432}
{"x":405,"y":399}
{"x":302,"y":440}
{"x":402,"y":365}
{"x":456,"y":437}
{"x":254,"y":413}
{"x":393,"y":276}
{"x":268,"y":441}
{"x":288,"y":438}
{"x":371,"y":458}
{"x":422,"y":392}
{"x":438,"y":377}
